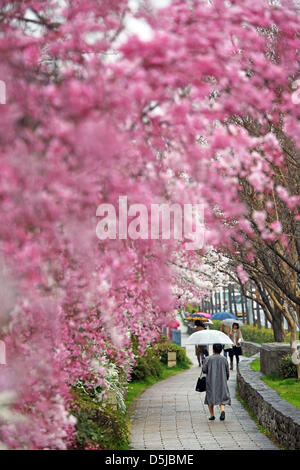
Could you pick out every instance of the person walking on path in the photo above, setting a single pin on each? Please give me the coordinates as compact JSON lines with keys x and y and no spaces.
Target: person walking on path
{"x":217,"y":373}
{"x":236,"y":337}
{"x":225,"y":329}
{"x":200,"y":350}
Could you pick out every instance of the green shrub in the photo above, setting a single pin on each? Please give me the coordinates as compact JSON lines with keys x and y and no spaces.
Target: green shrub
{"x":287,"y":368}
{"x":150,"y":364}
{"x":164,"y":347}
{"x":97,"y":426}
{"x":146,"y":366}
{"x":257,"y":335}
{"x":217,"y":324}
{"x":252,"y":333}
{"x":191,"y":309}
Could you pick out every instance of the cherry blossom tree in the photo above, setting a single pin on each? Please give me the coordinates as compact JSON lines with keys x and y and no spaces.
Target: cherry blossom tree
{"x":194,"y":280}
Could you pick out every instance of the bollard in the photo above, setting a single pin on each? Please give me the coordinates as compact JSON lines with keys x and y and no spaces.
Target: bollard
{"x":171,"y":358}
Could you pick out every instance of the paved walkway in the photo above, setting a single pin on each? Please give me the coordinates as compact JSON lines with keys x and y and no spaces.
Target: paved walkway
{"x":171,"y":415}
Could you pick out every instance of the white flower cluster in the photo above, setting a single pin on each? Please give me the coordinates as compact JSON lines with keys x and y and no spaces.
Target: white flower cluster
{"x":109,"y":371}
{"x":193,"y":282}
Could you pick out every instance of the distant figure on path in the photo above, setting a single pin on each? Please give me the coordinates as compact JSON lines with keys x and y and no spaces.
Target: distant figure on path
{"x":225,"y":329}
{"x":217,"y":373}
{"x":236,"y":337}
{"x":200,"y":350}
{"x":173,"y":324}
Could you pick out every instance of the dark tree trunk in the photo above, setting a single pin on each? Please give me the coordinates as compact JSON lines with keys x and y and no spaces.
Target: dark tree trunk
{"x":278,"y":326}
{"x":247,"y":310}
{"x":243,"y":306}
{"x":266,"y":322}
{"x":224,"y":306}
{"x":219,"y":302}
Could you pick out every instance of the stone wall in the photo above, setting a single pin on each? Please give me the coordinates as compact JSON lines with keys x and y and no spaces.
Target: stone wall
{"x":270,"y":355}
{"x":249,"y":349}
{"x":282,"y":419}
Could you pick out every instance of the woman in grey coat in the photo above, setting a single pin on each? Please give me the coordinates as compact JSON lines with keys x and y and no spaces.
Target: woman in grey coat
{"x":217,"y":373}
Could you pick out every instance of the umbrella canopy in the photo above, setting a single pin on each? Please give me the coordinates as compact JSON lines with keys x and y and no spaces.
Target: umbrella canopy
{"x":195,"y":316}
{"x":203,"y":314}
{"x":209,"y":337}
{"x":222,"y":316}
{"x":206,"y":321}
{"x":230,"y":321}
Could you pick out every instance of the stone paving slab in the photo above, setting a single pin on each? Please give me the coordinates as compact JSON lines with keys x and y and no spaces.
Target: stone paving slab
{"x":171,"y":415}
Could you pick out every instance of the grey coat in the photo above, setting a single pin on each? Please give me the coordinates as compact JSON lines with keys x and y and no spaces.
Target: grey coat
{"x":217,"y":373}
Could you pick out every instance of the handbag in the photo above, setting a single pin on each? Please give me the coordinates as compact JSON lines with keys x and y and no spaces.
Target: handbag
{"x":201,"y":384}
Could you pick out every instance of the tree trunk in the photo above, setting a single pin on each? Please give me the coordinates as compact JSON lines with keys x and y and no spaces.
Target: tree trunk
{"x":234,"y":300}
{"x":247,"y":310}
{"x":242,"y":304}
{"x":229,"y":299}
{"x":278,"y":326}
{"x":210,"y":306}
{"x":266,"y":321}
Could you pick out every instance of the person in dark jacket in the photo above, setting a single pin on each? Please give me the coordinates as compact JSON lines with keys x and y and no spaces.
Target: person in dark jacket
{"x":217,"y":373}
{"x":200,"y":350}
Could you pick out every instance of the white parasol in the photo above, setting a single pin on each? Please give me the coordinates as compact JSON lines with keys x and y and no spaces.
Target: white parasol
{"x":209,"y":337}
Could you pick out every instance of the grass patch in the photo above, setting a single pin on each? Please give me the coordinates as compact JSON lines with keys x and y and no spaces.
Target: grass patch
{"x":287,"y":388}
{"x":255,"y":365}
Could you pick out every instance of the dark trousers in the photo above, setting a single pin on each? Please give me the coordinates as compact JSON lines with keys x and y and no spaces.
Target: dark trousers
{"x":235,"y":351}
{"x":200,"y":352}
